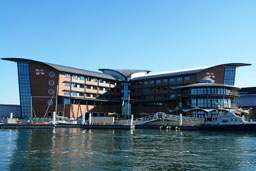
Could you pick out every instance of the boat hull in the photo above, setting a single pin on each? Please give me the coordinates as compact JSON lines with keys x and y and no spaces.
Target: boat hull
{"x":238,"y":127}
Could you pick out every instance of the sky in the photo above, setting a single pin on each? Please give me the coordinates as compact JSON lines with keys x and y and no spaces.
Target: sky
{"x":158,"y":35}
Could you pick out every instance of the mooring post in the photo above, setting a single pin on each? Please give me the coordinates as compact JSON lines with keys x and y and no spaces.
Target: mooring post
{"x":54,"y":118}
{"x":131,"y":120}
{"x":11,"y":115}
{"x":90,"y":118}
{"x":180,"y":119}
{"x":83,"y":118}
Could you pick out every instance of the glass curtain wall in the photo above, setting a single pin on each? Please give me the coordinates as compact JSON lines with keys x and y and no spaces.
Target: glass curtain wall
{"x":25,"y":89}
{"x":126,"y":106}
{"x":229,"y":76}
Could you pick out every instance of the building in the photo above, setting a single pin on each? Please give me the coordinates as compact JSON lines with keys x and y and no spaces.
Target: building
{"x":247,"y":100}
{"x":46,"y":87}
{"x":6,"y":109}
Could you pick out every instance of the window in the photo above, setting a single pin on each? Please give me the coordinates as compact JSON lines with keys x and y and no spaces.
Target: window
{"x":187,"y":78}
{"x":50,"y":102}
{"x":151,"y":82}
{"x":74,"y":93}
{"x":66,"y":101}
{"x":165,"y":88}
{"x":66,"y":92}
{"x":81,"y":86}
{"x":101,"y":81}
{"x":81,"y":94}
{"x":74,"y":77}
{"x":25,"y":89}
{"x":67,"y":75}
{"x":95,"y":79}
{"x":51,"y":83}
{"x":81,"y":77}
{"x":74,"y":85}
{"x":158,"y":81}
{"x":100,"y":88}
{"x":49,"y":114}
{"x":51,"y":91}
{"x":172,"y":79}
{"x":88,"y":87}
{"x":145,"y":82}
{"x":88,"y":79}
{"x":94,"y":88}
{"x":229,"y":75}
{"x":51,"y":74}
{"x":165,"y":80}
{"x":67,"y":84}
{"x":179,"y":79}
{"x":88,"y":95}
{"x":94,"y":95}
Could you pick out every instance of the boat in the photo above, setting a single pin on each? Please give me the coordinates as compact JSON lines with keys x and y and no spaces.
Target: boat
{"x":228,"y":121}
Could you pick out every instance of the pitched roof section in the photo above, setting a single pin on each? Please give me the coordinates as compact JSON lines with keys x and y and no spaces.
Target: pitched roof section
{"x":185,"y":71}
{"x":171,"y":73}
{"x":207,"y":85}
{"x":66,"y":69}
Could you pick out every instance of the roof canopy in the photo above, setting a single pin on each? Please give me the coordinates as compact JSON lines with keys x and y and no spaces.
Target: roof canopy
{"x":124,"y":74}
{"x":207,"y":85}
{"x":185,"y":71}
{"x":65,"y":68}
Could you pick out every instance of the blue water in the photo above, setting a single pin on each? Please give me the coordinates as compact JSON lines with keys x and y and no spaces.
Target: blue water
{"x":77,"y":149}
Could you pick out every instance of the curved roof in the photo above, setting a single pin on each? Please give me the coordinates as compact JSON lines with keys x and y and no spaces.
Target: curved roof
{"x":65,"y":68}
{"x":185,"y":71}
{"x":206,"y":85}
{"x":124,"y":72}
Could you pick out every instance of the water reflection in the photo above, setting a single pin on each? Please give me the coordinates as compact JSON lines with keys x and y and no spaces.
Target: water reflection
{"x":77,"y":149}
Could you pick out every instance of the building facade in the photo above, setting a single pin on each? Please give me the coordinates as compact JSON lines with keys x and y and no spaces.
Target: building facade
{"x":247,"y":100}
{"x":45,"y":88}
{"x":7,"y":109}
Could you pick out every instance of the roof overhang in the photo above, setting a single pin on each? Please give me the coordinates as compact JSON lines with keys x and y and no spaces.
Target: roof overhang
{"x":62,"y":68}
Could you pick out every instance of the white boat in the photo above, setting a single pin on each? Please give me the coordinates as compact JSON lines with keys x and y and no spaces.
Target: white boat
{"x":228,"y":121}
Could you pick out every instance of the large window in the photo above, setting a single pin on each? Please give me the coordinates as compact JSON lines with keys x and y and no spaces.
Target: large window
{"x":229,"y":76}
{"x":25,"y":89}
{"x":211,"y":102}
{"x":126,"y":106}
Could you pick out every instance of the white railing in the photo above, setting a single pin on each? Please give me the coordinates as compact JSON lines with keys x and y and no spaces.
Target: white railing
{"x":161,"y":116}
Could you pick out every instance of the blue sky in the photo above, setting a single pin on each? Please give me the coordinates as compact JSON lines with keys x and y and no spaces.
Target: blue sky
{"x":159,"y":35}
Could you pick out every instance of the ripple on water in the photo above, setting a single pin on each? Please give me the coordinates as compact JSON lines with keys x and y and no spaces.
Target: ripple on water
{"x":76,"y":149}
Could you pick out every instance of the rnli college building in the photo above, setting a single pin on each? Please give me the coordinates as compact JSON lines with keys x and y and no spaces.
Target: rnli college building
{"x":45,"y":88}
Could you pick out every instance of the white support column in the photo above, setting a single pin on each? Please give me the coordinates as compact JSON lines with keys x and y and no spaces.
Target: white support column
{"x":83,"y":118}
{"x":180,"y":119}
{"x":90,"y":118}
{"x":54,"y":118}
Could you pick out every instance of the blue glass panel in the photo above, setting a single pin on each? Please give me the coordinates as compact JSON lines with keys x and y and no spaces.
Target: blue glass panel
{"x":229,"y":75}
{"x":25,"y":89}
{"x":126,"y":107}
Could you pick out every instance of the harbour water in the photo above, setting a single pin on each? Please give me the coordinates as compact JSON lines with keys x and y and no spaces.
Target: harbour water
{"x":78,"y":149}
